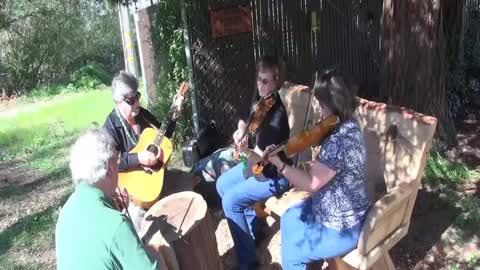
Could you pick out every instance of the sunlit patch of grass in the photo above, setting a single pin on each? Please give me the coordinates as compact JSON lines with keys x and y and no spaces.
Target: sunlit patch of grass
{"x":43,"y":133}
{"x":442,"y":171}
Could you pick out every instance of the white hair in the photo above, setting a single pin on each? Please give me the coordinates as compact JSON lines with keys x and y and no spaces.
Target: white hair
{"x":89,"y":156}
{"x":124,"y":85}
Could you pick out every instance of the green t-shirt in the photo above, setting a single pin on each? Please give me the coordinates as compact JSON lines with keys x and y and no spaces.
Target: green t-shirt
{"x":91,"y":234}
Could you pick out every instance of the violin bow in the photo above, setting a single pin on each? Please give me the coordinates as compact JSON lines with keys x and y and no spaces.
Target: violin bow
{"x":309,"y":109}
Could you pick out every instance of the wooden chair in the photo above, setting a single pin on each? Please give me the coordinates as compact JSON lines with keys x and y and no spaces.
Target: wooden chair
{"x":398,"y":141}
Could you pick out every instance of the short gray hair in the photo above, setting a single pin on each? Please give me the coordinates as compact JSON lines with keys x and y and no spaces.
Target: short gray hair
{"x":123,"y":85}
{"x":89,"y":156}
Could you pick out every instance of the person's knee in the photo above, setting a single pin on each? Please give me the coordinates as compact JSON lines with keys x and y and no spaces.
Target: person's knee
{"x":234,"y":202}
{"x":290,"y":257}
{"x":220,"y":185}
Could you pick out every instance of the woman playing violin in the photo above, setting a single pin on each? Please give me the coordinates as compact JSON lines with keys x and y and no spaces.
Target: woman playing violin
{"x":239,"y":194}
{"x":328,"y":224}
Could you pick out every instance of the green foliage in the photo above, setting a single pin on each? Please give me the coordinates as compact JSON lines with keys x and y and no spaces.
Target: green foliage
{"x":454,"y":267}
{"x":45,"y":92}
{"x":88,"y":78}
{"x":441,"y":171}
{"x":45,"y":41}
{"x":91,"y":76}
{"x":167,"y":38}
{"x":474,"y":260}
{"x":470,"y":216}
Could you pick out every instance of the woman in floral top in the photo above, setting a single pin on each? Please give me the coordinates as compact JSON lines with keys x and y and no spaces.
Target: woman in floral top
{"x":329,"y":223}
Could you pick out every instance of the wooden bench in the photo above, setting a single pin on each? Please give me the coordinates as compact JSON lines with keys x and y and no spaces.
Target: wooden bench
{"x":398,"y":141}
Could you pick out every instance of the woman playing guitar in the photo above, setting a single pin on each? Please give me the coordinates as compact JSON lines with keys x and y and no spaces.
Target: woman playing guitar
{"x":239,"y":193}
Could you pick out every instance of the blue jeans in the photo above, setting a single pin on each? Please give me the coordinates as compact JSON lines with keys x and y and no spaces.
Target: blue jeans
{"x":238,"y":195}
{"x":306,"y":240}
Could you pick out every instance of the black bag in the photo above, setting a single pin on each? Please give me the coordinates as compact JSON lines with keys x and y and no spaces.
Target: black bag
{"x":201,"y":145}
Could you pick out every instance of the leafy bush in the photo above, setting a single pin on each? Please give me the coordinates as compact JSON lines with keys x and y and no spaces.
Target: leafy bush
{"x":442,"y":171}
{"x":167,"y":39}
{"x":470,"y":212}
{"x":90,"y":76}
{"x":42,"y":42}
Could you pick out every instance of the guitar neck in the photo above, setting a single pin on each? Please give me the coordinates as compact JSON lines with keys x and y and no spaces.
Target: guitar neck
{"x":164,"y":127}
{"x":171,"y":116}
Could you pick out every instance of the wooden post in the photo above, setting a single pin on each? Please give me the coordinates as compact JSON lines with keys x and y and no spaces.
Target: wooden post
{"x":147,"y":54}
{"x":184,"y":222}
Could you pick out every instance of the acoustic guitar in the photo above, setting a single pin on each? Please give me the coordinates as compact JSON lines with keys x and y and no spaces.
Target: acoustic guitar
{"x":145,"y":183}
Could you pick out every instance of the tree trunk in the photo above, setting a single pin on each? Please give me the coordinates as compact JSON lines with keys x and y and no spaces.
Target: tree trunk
{"x":414,"y":70}
{"x":184,"y":223}
{"x":453,"y":27}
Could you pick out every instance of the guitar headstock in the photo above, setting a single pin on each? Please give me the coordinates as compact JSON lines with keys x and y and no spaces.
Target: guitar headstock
{"x":178,"y":99}
{"x":183,"y":89}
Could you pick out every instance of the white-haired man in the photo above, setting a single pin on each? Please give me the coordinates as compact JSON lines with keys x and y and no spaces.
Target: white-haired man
{"x":125,"y":124}
{"x":127,"y":121}
{"x":90,"y":232}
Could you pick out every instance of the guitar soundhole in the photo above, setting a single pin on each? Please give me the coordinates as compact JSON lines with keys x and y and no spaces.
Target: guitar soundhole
{"x":152,"y":148}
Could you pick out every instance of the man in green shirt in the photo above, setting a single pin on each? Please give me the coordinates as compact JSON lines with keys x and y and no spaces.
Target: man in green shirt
{"x":91,"y":233}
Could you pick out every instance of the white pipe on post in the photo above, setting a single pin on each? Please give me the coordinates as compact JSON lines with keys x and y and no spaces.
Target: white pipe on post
{"x":127,"y":40}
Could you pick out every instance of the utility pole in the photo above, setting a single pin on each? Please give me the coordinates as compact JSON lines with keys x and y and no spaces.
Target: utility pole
{"x":147,"y":55}
{"x":127,"y":40}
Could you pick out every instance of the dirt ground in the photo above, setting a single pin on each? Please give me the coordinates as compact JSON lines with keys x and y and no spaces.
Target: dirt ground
{"x":433,"y":242}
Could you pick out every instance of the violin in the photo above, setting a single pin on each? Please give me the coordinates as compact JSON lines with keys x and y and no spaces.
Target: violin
{"x":257,"y":115}
{"x":300,"y":142}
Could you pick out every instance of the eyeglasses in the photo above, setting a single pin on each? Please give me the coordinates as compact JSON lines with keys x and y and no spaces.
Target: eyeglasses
{"x":263,"y":81}
{"x":132,"y":100}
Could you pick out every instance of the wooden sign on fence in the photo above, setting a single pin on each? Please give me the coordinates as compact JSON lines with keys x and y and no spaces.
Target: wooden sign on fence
{"x":230,"y":21}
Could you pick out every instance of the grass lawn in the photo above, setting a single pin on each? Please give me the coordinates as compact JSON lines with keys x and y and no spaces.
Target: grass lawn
{"x":51,"y":121}
{"x":34,"y":141}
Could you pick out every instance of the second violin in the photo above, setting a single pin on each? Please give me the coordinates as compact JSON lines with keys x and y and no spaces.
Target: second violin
{"x":300,"y":142}
{"x":257,"y":115}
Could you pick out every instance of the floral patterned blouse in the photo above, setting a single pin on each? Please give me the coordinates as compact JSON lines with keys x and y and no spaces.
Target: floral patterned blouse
{"x":343,"y":202}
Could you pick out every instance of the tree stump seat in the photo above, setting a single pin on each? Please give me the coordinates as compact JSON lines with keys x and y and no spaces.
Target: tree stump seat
{"x":179,"y":227}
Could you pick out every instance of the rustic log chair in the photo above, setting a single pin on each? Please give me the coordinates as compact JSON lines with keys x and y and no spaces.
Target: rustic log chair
{"x":398,"y":141}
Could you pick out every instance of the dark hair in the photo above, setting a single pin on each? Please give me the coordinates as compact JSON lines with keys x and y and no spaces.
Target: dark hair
{"x":334,"y":90}
{"x":275,"y":64}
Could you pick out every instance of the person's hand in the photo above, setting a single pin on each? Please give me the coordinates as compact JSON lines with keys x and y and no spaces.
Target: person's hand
{"x":237,"y":137}
{"x":147,"y":158}
{"x":274,"y":159}
{"x":121,"y":199}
